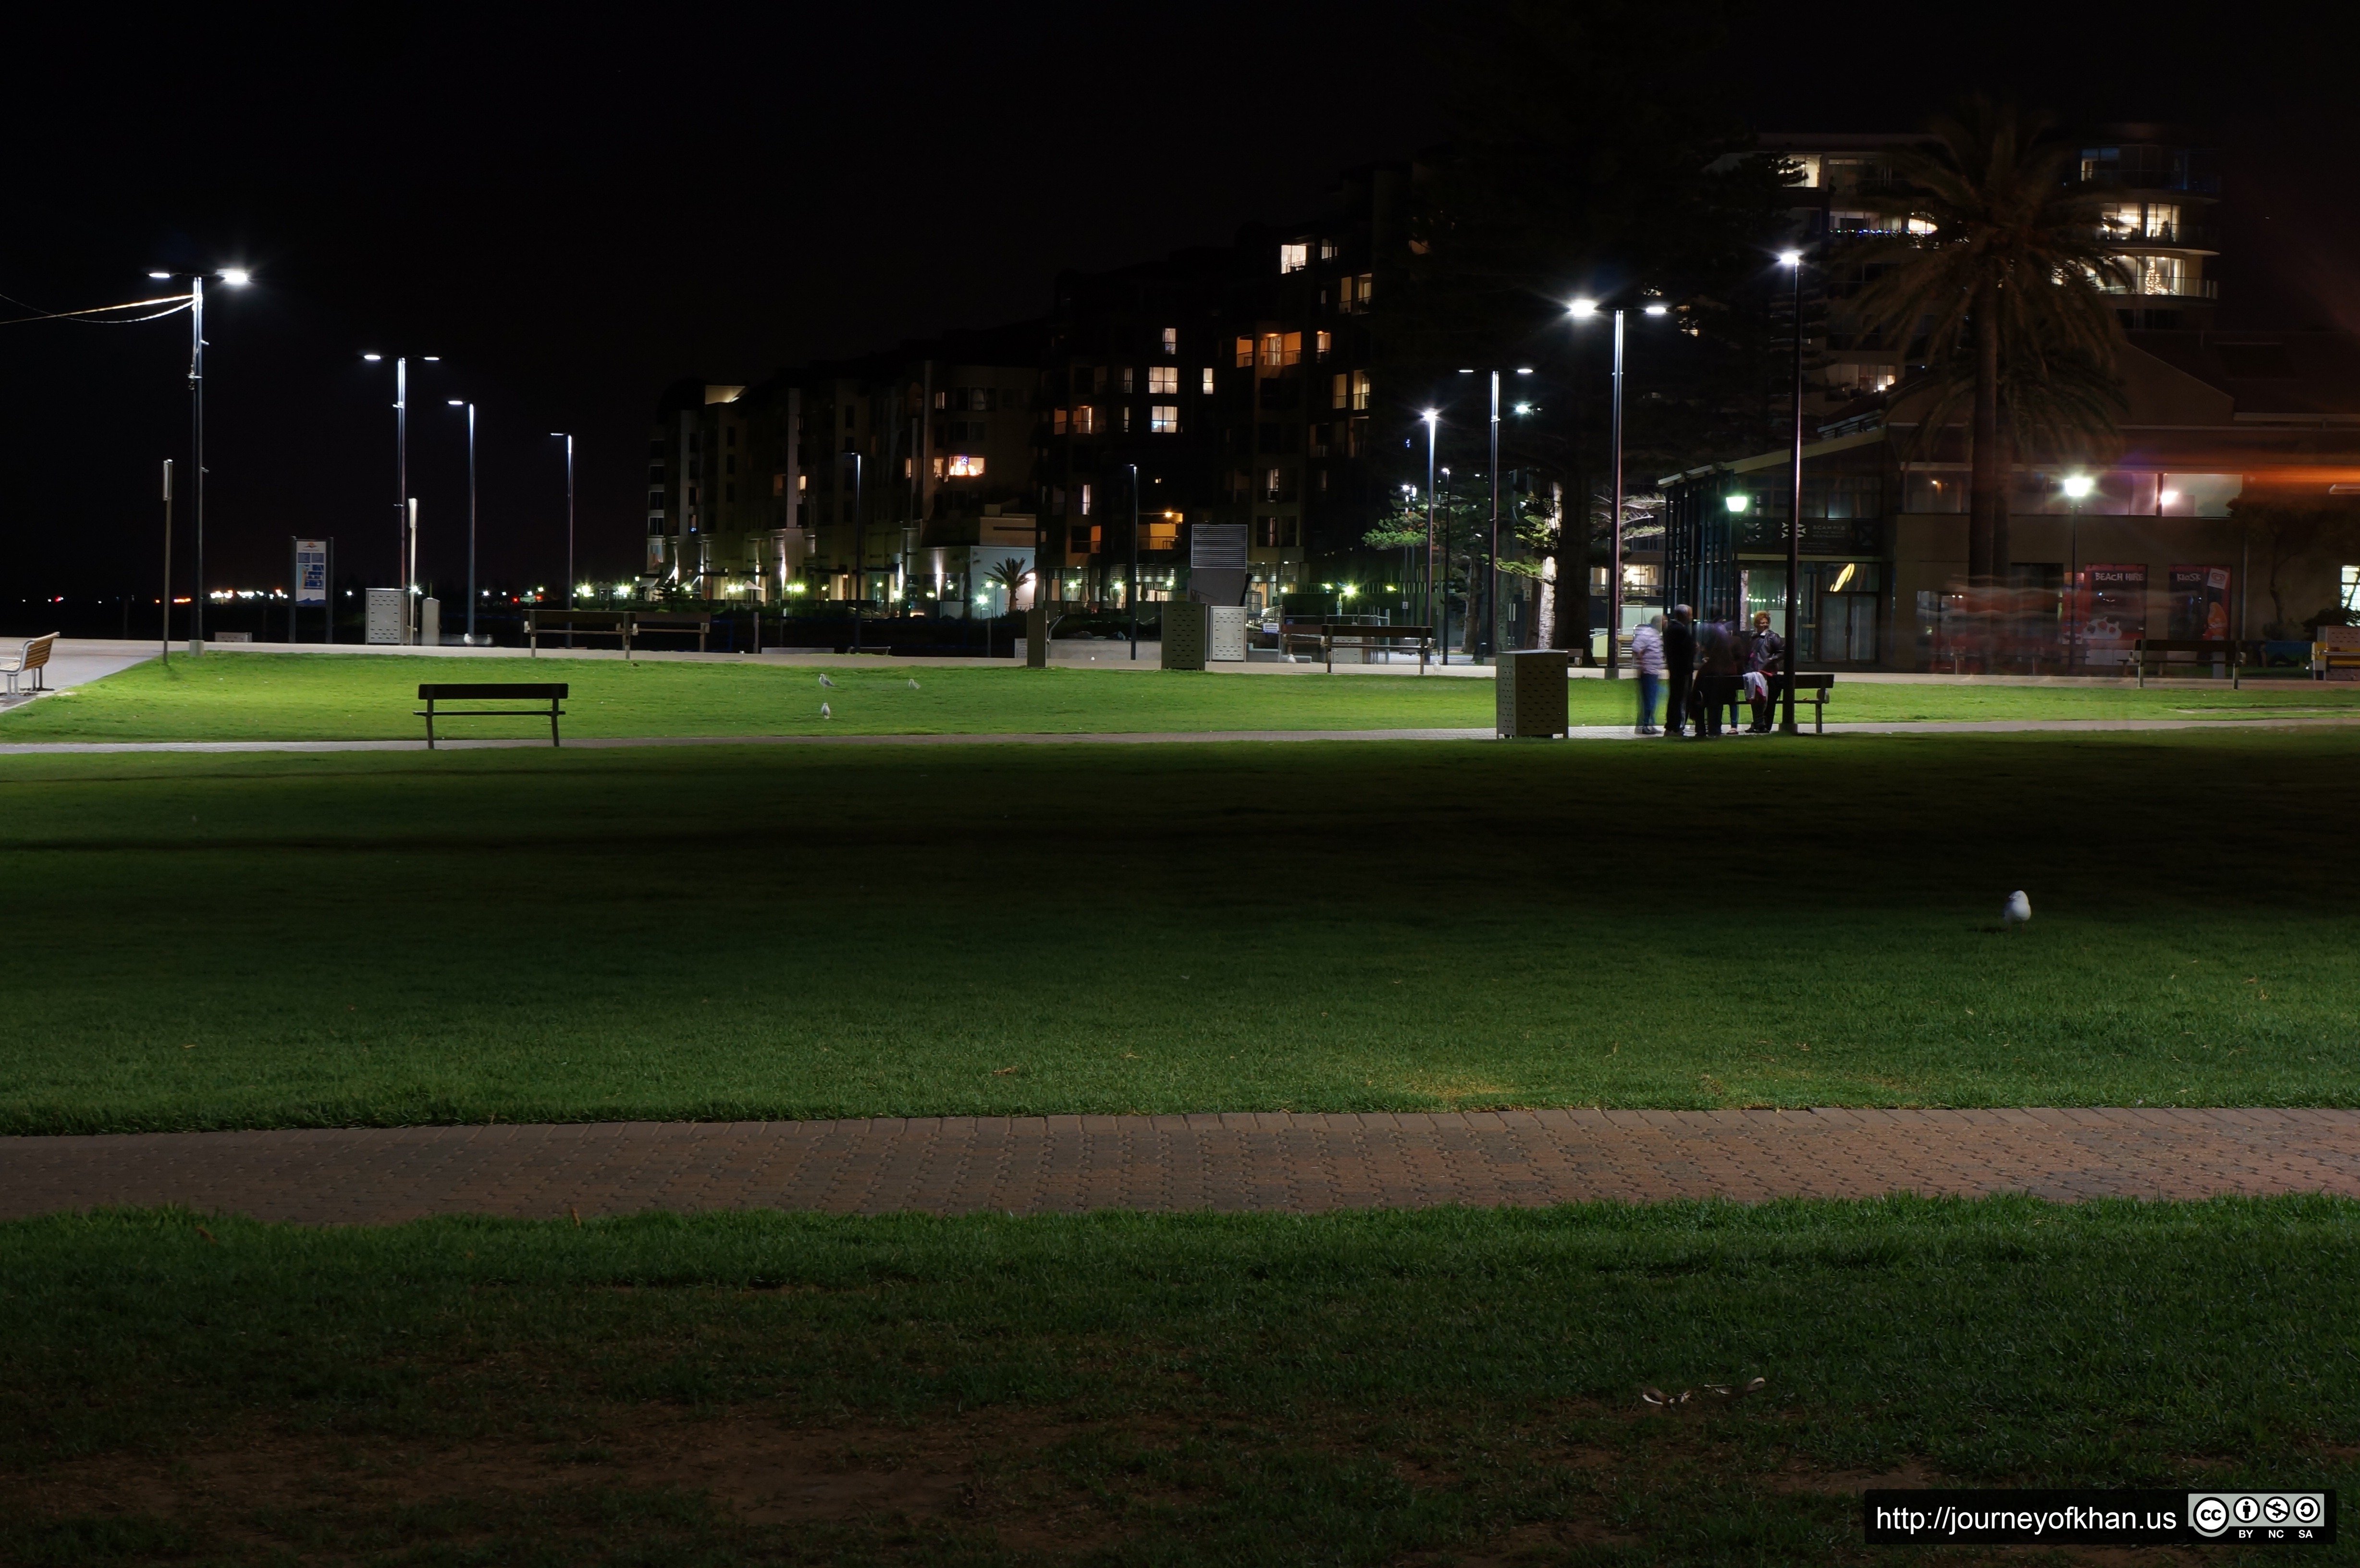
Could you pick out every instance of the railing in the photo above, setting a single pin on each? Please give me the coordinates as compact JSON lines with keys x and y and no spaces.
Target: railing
{"x":2180,"y":289}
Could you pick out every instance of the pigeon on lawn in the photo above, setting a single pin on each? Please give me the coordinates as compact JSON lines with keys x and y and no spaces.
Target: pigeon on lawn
{"x":913,"y":682}
{"x":823,"y":712}
{"x":825,"y":680}
{"x":2017,"y":910}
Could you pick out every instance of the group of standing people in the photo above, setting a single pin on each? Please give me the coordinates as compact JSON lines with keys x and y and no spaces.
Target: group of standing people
{"x":1708,"y":667}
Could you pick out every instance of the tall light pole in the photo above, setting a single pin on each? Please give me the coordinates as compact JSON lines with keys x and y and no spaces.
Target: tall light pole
{"x":1433,"y":418}
{"x":1131,"y":594}
{"x":1490,"y":643}
{"x":2077,"y":489}
{"x":1584,"y":308}
{"x":462,"y":403}
{"x":405,"y":514}
{"x":1793,"y":258}
{"x":567,"y":437}
{"x":237,"y":278}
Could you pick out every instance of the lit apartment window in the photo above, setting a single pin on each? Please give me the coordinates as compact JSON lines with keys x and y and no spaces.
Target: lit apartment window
{"x":1172,"y":340}
{"x":1164,"y":379}
{"x":1326,"y":250}
{"x":1126,"y":418}
{"x":1163,"y":419}
{"x":1208,"y":381}
{"x":778,"y":484}
{"x":906,"y":465}
{"x":1272,"y":345}
{"x":965,"y":467}
{"x":1339,"y":391}
{"x":803,"y":482}
{"x":1360,"y":390}
{"x":1057,"y":422}
{"x":938,"y":468}
{"x":1294,"y":257}
{"x":1245,"y":356}
{"x":1320,"y":344}
{"x":1085,"y":500}
{"x":943,"y":399}
{"x":1127,"y":386}
{"x":1354,"y":292}
{"x":1086,"y":421}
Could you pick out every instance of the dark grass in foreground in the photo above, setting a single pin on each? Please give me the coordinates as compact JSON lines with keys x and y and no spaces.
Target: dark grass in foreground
{"x":534,"y":935}
{"x":1345,"y":1389}
{"x":350,"y":696}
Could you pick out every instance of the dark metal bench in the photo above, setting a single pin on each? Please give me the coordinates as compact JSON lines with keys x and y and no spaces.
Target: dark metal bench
{"x":2208,"y":650}
{"x":551,"y":694}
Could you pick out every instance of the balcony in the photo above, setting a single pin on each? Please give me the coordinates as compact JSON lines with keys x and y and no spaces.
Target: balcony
{"x":2171,"y":288}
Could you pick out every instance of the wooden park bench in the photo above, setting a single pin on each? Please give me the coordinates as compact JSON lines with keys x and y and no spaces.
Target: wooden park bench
{"x":1353,"y":633}
{"x":31,"y":659}
{"x":553,"y":620}
{"x":492,"y":691}
{"x":670,"y":621}
{"x":2216,"y":650}
{"x":1812,"y":686}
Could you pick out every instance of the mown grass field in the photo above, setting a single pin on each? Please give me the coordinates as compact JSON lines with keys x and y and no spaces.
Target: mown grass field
{"x":352,"y":697}
{"x":1428,"y":1388}
{"x":381,"y":939}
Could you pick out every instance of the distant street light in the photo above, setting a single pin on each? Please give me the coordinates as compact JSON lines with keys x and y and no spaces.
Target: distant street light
{"x":405,"y":516}
{"x":1490,"y":643}
{"x":1793,"y":258}
{"x":462,"y":403}
{"x":572,"y":587}
{"x":237,"y":278}
{"x":2077,"y":489}
{"x":1586,"y":308}
{"x":1433,"y":418}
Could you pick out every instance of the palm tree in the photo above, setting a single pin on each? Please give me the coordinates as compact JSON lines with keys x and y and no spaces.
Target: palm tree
{"x":1999,"y":267}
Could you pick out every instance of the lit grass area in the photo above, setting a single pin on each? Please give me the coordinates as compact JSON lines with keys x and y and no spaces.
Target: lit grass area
{"x":1345,"y":1389}
{"x":375,"y":939}
{"x":356,"y":697}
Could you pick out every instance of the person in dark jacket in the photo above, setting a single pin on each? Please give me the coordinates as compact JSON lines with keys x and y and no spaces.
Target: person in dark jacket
{"x":1679,"y":668}
{"x":1763,"y":654}
{"x":1717,"y":676}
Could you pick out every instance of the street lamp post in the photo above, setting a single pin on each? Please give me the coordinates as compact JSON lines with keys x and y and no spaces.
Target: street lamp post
{"x":405,"y":511}
{"x":1442,"y":633}
{"x":1585,"y":308}
{"x":462,"y":403}
{"x":567,"y":437}
{"x":1131,"y":594}
{"x":1793,"y":258}
{"x":1490,"y":640}
{"x":237,"y":278}
{"x":2077,"y":490}
{"x":859,"y":549}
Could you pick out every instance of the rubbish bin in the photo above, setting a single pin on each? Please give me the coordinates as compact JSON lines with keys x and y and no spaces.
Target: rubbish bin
{"x":387,"y":624}
{"x":1187,"y":628}
{"x":1227,"y":643}
{"x":1531,"y":692}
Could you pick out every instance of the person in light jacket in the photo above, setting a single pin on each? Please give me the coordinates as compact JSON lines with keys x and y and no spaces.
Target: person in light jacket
{"x":1764,"y":653}
{"x":1647,"y":656}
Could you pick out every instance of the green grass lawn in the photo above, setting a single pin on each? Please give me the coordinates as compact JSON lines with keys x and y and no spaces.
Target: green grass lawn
{"x":239,"y":941}
{"x":1427,"y":1388}
{"x":341,"y":696}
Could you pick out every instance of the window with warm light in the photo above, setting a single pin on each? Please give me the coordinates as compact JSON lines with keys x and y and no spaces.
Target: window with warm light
{"x":1245,"y":356}
{"x":1086,"y":421}
{"x":1057,"y":421}
{"x":1321,"y":342}
{"x":1208,"y":381}
{"x":1126,"y":418}
{"x":1163,"y":419}
{"x":1294,"y":257}
{"x":1360,"y":389}
{"x":1273,"y":346}
{"x":1172,"y":340}
{"x":1127,"y":385}
{"x":1085,"y":500}
{"x":1164,"y":379}
{"x":966,"y":467}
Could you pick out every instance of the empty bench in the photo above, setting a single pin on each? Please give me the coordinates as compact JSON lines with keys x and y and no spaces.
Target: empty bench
{"x":544,"y":696}
{"x":31,"y":659}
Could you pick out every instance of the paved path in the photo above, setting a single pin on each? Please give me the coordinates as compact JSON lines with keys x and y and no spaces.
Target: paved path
{"x":1148,"y":737}
{"x":1266,"y":1161}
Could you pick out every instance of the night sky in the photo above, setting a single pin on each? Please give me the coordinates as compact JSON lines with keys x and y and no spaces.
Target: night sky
{"x":573,"y":207}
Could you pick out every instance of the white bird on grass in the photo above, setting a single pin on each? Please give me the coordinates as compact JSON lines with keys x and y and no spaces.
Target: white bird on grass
{"x":2017,"y":910}
{"x":825,"y":681}
{"x":913,"y":682}
{"x":823,"y":712}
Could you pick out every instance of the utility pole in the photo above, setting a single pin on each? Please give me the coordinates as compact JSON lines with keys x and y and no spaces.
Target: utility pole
{"x":1492,"y":565}
{"x":197,"y":453}
{"x":1793,"y":258}
{"x":168,"y":561}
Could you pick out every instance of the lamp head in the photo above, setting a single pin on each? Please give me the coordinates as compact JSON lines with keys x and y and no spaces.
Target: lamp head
{"x":373,"y":358}
{"x":236,"y":276}
{"x":1583,"y":307}
{"x":1790,"y":258}
{"x":457,"y":402}
{"x":159,"y":274}
{"x":1735,"y":503}
{"x":1524,"y":370}
{"x":1657,"y":308}
{"x":2078,"y":485}
{"x":1430,"y":415}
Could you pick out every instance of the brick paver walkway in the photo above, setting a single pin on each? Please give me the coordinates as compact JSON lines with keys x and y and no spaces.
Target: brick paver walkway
{"x":1274,"y":1161}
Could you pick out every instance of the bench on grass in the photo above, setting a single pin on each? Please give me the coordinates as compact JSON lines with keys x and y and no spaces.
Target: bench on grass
{"x":546,"y":620}
{"x":2215,"y":650}
{"x":537,"y":692}
{"x":1812,"y":686}
{"x":666,"y":621}
{"x":31,"y":659}
{"x":1349,"y":634}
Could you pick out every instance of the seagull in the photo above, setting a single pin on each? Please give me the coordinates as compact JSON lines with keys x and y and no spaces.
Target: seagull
{"x":823,"y":712}
{"x":825,"y":680}
{"x":913,"y":682}
{"x":2017,"y":910}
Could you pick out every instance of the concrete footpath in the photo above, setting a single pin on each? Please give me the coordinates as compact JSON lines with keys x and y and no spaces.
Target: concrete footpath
{"x":1260,"y":1161}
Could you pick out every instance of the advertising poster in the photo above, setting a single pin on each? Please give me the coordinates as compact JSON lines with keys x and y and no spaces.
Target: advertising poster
{"x":2199,"y":603}
{"x":2116,"y":612}
{"x":311,"y":571}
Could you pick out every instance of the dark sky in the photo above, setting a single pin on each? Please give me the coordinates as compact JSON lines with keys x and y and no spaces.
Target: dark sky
{"x":574,"y":207}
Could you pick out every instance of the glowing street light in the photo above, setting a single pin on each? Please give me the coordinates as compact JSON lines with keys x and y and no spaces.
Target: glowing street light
{"x":463,"y":403}
{"x":1786,"y":725}
{"x":2076,"y":488}
{"x":1582,"y":309}
{"x":237,"y":278}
